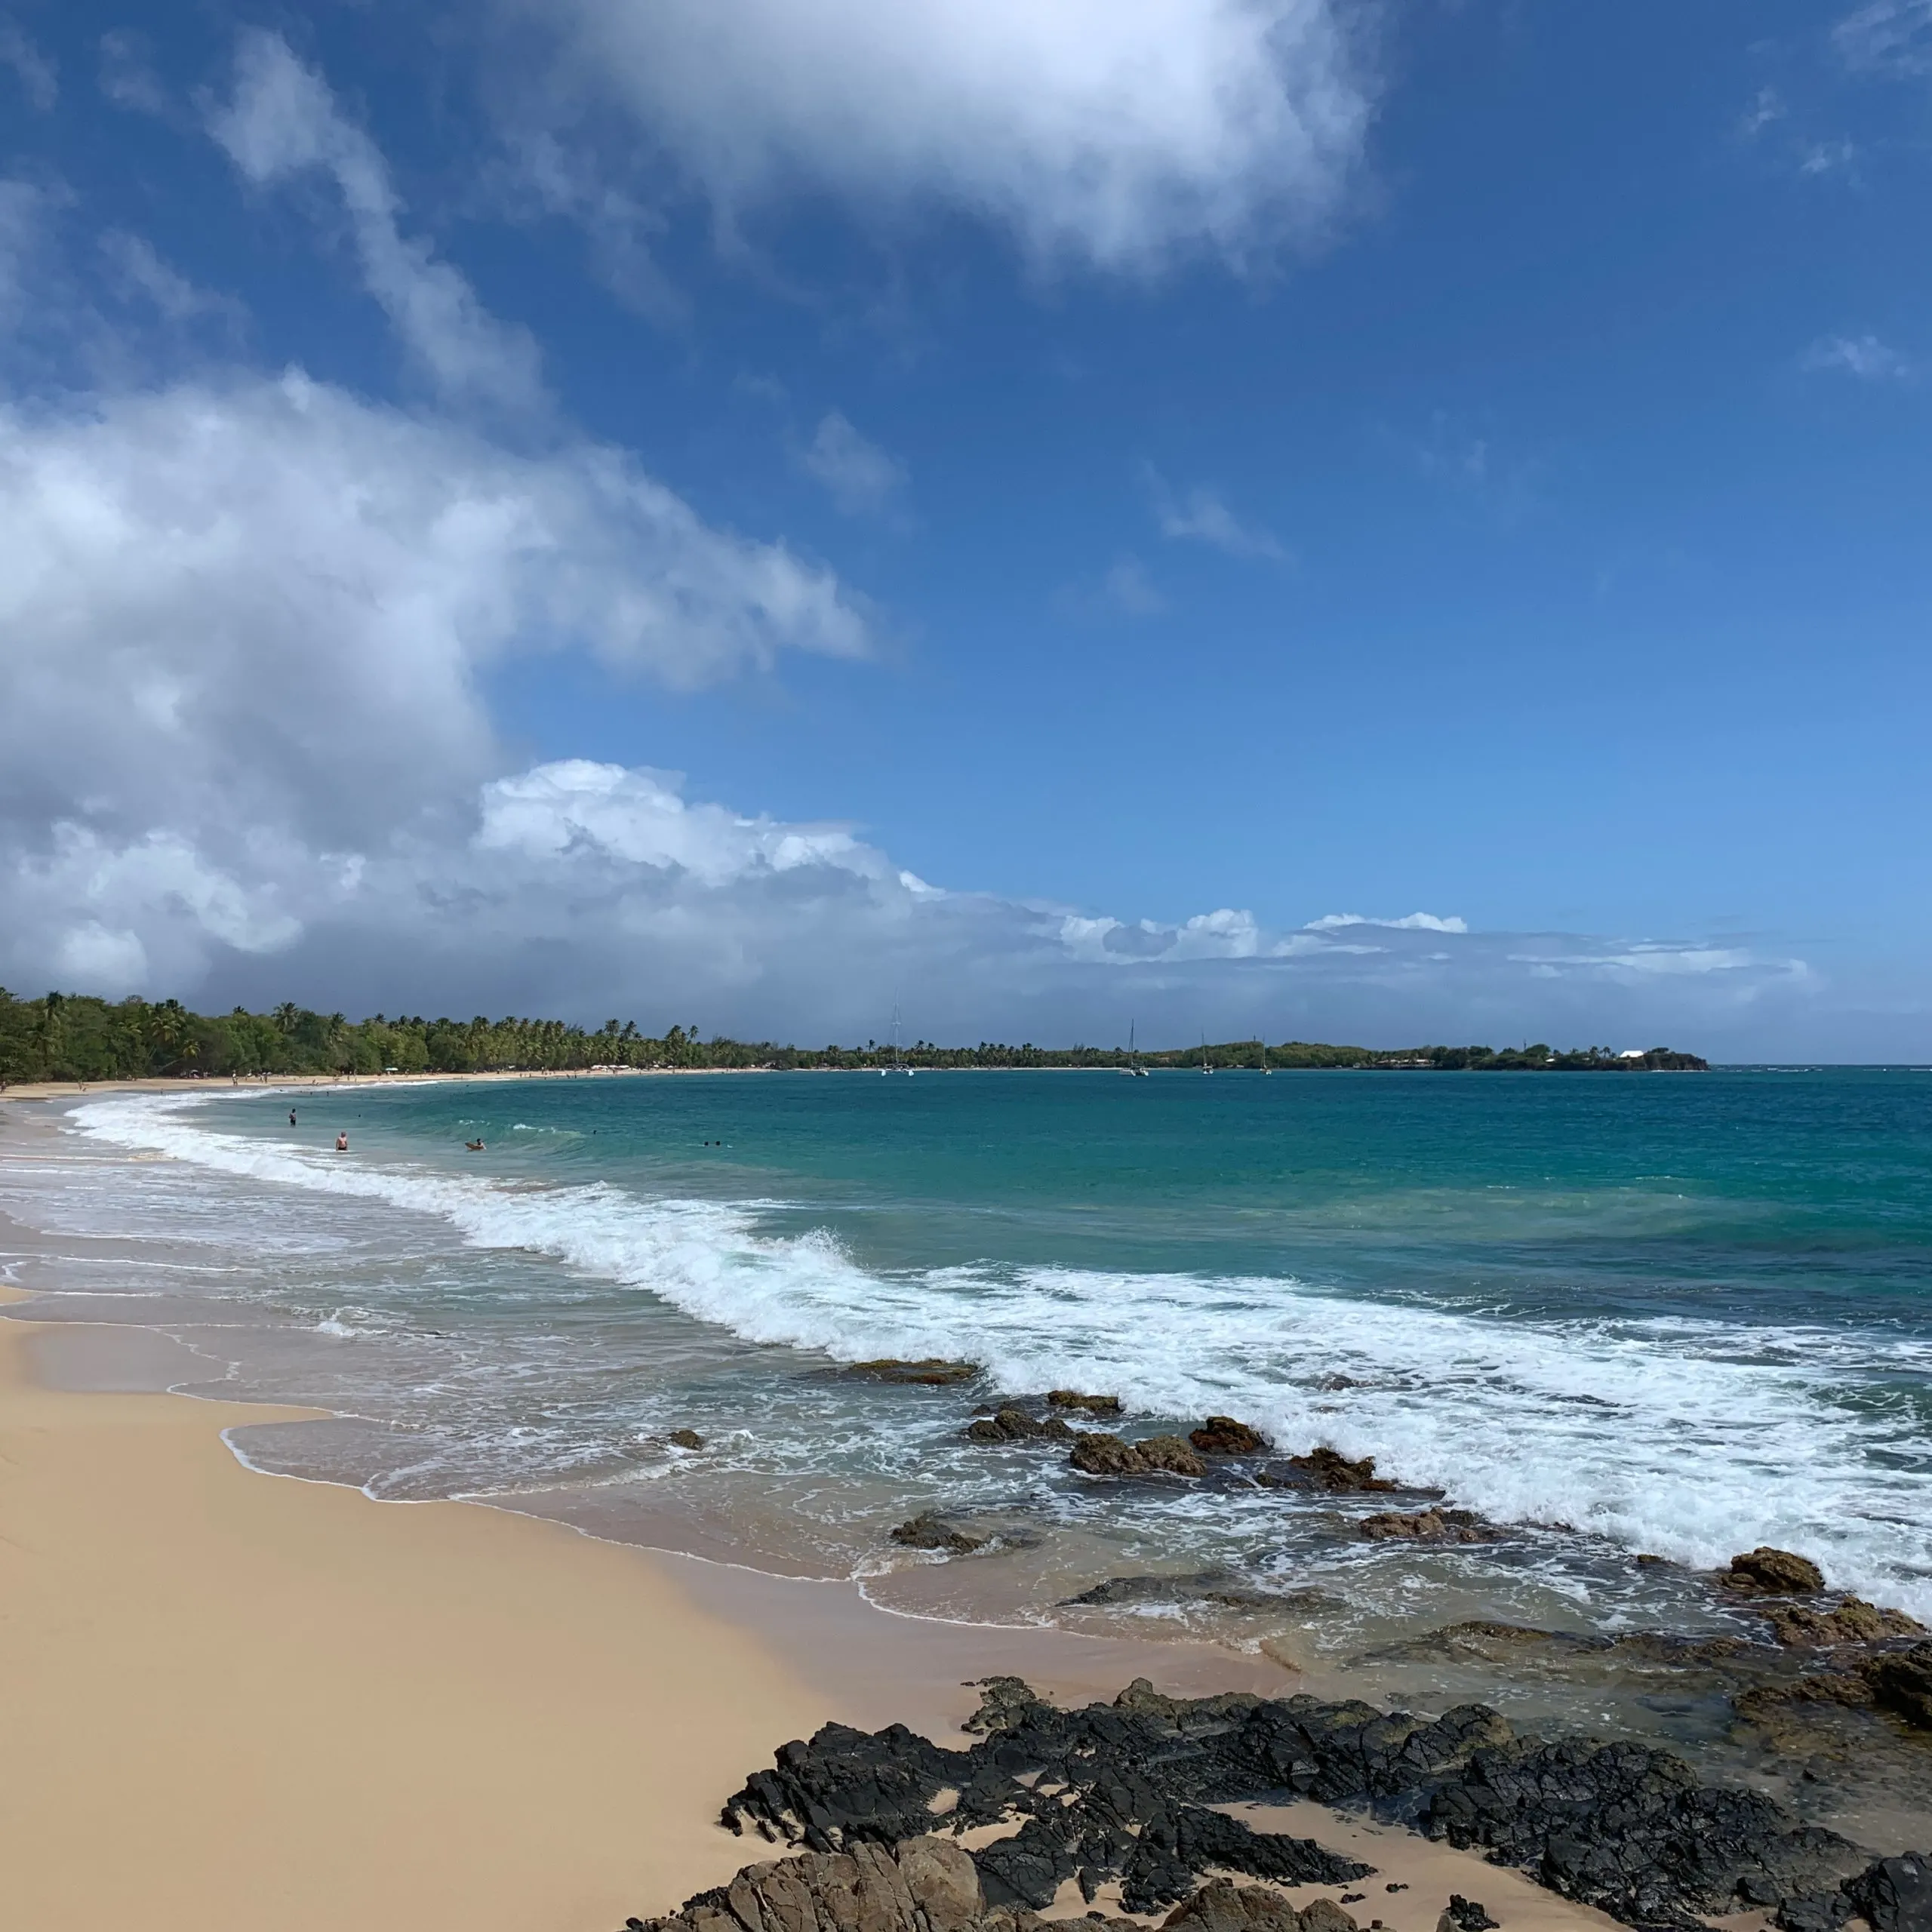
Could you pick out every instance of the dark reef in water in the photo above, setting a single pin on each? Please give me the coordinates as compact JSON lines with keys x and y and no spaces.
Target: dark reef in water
{"x":1122,"y":1792}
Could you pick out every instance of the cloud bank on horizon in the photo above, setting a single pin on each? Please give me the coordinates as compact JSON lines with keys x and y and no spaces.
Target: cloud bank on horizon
{"x":253,"y":615}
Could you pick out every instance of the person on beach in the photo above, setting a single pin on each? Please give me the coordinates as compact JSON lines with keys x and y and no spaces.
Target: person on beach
{"x":341,"y":1143}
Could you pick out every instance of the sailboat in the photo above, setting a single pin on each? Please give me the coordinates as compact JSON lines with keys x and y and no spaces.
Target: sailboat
{"x":1206,"y":1065}
{"x":1263,"y":1045}
{"x":1133,"y":1070}
{"x":898,"y":1066}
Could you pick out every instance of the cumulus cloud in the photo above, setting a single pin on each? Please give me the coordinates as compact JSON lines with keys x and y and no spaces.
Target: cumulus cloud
{"x":860,"y":477}
{"x":1413,"y":922}
{"x":1117,"y":132}
{"x":282,"y":120}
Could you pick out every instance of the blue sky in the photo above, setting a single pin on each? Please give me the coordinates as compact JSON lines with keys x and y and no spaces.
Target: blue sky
{"x":1043,"y":476}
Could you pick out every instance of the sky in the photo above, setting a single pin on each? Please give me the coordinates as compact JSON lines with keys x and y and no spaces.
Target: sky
{"x":1321,"y":520}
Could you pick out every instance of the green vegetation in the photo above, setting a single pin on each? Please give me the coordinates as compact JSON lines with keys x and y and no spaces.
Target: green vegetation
{"x":73,"y":1037}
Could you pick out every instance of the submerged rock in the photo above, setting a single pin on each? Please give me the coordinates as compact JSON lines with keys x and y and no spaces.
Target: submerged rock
{"x":1096,"y":1454}
{"x":685,"y":1438}
{"x":1011,"y":1423}
{"x":1767,"y":1572}
{"x":1094,"y":1405}
{"x":1326,"y":1469}
{"x":931,"y":1372}
{"x":1428,"y":1526}
{"x":1222,"y":1435}
{"x":1221,"y":1586}
{"x":931,"y":1530}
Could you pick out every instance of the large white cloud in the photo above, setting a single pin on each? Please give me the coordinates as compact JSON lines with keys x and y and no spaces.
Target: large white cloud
{"x":1117,"y":132}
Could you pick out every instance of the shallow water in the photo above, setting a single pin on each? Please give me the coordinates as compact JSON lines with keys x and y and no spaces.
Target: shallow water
{"x":1682,"y":1315}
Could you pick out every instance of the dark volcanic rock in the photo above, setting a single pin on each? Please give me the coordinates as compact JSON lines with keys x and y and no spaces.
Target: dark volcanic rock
{"x":1895,"y":1894}
{"x":1767,"y":1572}
{"x":1428,"y":1526}
{"x":1891,"y":1895}
{"x":1102,"y":1455}
{"x":1222,"y":1435}
{"x":685,"y":1438}
{"x":932,"y":1372}
{"x":1094,"y":1405}
{"x":1010,"y":1423}
{"x":1123,"y":1790}
{"x":934,"y":1531}
{"x":1465,"y":1915}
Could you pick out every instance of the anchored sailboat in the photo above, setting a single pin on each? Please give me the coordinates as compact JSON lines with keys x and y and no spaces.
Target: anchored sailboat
{"x":1133,"y":1070}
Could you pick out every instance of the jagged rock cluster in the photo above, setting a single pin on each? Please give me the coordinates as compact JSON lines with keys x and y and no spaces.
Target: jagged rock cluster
{"x":928,"y":1885}
{"x":1121,"y":1791}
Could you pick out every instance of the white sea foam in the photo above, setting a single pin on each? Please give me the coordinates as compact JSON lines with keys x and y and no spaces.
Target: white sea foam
{"x":1691,"y":1439}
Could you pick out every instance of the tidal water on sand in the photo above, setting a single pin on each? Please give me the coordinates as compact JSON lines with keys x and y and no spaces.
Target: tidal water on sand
{"x":1611,"y":1314}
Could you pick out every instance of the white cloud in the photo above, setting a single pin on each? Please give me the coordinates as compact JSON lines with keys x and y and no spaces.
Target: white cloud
{"x":1864,"y":356}
{"x":32,"y":68}
{"x":860,"y":477}
{"x":1200,"y":516}
{"x":1127,"y":588}
{"x":1120,"y":133}
{"x":1827,"y":157}
{"x":282,"y":120}
{"x":1414,"y":922}
{"x":1888,"y":36}
{"x":127,"y":78}
{"x":1768,"y":108}
{"x":141,"y":272}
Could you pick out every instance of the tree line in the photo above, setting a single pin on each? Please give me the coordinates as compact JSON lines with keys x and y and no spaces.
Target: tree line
{"x":75,"y":1036}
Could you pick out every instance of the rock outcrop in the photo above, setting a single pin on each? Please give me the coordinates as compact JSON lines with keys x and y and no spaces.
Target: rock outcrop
{"x":1326,"y":1469}
{"x":685,"y":1438}
{"x":1011,"y":1423}
{"x":1775,"y":1573}
{"x":1222,"y":1435}
{"x":1852,"y":1621}
{"x":1427,"y":1526}
{"x":931,"y":1372}
{"x":1101,"y":1455}
{"x":1094,"y":1405}
{"x":931,"y":1530}
{"x":1123,"y":1790}
{"x":928,"y":1885}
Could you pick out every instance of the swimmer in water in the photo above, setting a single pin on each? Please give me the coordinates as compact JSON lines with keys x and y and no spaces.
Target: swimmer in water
{"x":475,"y":1146}
{"x":291,"y":1116}
{"x":341,"y":1143}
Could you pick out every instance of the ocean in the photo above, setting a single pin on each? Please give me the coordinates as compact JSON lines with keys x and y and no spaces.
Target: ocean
{"x":1674,"y":1315}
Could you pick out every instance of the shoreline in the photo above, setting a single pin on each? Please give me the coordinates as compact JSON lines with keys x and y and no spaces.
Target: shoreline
{"x":239,"y":1698}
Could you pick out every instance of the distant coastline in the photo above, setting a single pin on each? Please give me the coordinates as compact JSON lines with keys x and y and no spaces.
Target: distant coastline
{"x":66,"y":1039}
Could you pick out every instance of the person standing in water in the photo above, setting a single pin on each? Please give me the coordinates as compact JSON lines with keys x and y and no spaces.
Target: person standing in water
{"x":291,"y":1116}
{"x":341,"y":1143}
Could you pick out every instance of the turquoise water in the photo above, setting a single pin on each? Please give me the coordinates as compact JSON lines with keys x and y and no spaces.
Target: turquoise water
{"x":1679,"y":1314}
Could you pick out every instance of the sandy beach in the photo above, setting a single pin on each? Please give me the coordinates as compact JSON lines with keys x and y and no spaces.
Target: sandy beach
{"x":233,"y":1700}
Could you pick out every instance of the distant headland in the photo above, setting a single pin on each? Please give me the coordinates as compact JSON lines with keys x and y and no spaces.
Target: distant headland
{"x":75,"y":1036}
